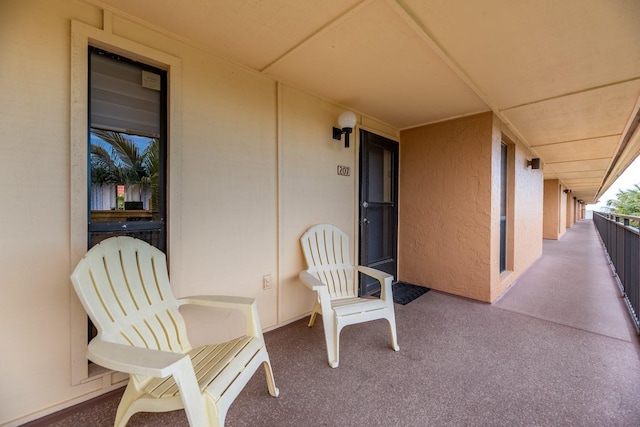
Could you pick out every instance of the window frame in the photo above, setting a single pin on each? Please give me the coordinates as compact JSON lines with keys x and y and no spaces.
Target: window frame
{"x":83,"y":35}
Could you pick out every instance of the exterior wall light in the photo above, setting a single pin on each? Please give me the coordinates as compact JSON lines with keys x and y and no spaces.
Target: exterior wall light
{"x":347,"y":121}
{"x":534,"y":163}
{"x":567,"y":191}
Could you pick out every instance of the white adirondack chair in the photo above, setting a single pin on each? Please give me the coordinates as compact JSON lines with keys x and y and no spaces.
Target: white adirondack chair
{"x":331,"y":274}
{"x":124,"y":287}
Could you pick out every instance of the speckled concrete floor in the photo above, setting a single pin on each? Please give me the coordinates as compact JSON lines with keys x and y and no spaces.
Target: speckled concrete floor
{"x":557,"y":349}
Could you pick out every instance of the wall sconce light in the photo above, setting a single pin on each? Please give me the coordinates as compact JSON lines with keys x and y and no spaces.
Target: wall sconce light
{"x":534,"y":163}
{"x":567,"y":191}
{"x":347,"y":121}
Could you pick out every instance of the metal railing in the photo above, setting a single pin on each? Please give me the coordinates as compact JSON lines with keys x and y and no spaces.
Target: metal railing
{"x":621,"y":238}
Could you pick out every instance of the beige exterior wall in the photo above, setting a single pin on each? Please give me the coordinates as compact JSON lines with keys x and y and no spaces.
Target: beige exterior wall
{"x":571,"y":210}
{"x":555,"y":209}
{"x":526,"y":216}
{"x":563,"y":211}
{"x":252,"y":165}
{"x":450,"y":208}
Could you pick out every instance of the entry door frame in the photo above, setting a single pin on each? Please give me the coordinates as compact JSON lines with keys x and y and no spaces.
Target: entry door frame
{"x":381,"y":212}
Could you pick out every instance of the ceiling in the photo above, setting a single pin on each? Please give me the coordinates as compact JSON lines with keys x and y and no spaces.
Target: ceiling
{"x":563,"y":75}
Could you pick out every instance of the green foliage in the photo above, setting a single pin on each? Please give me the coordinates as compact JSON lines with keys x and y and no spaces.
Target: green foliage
{"x":151,"y":165}
{"x":627,"y":202}
{"x":123,"y":163}
{"x":116,"y":159}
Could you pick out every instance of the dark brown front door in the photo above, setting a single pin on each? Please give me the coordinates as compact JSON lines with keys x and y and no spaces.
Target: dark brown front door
{"x":378,"y":207}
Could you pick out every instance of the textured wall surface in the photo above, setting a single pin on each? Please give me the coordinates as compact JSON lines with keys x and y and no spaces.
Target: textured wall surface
{"x":445,"y":206}
{"x":450,"y":208}
{"x":555,"y":210}
{"x":551,"y":206}
{"x":524,"y":216}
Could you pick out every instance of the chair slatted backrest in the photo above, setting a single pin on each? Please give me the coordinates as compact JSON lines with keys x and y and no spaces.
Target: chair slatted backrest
{"x":123,"y":284}
{"x":326,"y":250}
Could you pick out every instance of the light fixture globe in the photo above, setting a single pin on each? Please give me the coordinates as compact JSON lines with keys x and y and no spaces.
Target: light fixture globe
{"x":347,"y":119}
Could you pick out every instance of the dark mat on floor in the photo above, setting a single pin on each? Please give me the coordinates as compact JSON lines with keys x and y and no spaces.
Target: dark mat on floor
{"x":404,"y":293}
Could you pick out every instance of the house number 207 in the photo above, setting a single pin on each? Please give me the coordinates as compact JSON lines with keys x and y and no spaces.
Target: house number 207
{"x":344,"y":170}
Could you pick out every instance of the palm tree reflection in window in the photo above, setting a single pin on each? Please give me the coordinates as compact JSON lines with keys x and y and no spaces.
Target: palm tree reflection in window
{"x":124,"y":173}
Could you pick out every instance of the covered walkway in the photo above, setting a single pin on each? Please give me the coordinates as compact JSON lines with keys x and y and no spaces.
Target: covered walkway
{"x":557,"y":349}
{"x":572,"y":284}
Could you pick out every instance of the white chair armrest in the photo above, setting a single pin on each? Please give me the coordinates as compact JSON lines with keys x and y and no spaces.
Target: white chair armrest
{"x":134,"y":360}
{"x":381,"y":276}
{"x":222,"y":301}
{"x":385,"y":279}
{"x":311,"y":281}
{"x":246,"y":305}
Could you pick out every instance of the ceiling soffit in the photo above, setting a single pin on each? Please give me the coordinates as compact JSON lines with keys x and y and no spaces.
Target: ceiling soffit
{"x":389,"y":72}
{"x":564,"y":76}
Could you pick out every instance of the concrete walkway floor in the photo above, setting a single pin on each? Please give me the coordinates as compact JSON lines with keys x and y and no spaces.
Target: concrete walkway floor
{"x":558,"y":349}
{"x":572,"y":284}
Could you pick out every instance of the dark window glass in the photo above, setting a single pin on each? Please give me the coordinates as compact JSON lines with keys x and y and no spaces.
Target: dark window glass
{"x":127,"y":149}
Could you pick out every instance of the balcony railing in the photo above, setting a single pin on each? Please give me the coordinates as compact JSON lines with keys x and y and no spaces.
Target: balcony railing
{"x":621,"y":238}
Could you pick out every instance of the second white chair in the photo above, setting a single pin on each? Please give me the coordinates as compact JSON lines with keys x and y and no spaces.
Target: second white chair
{"x":331,"y":274}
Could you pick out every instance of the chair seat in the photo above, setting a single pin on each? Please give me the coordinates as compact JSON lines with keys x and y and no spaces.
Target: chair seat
{"x":216,"y":366}
{"x":355,"y":305}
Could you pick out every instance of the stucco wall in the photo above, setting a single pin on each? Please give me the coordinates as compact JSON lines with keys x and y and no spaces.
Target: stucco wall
{"x":450,"y":207}
{"x":445,"y":206}
{"x":555,"y":209}
{"x":551,"y":207}
{"x":252,"y":165}
{"x":524,"y":225}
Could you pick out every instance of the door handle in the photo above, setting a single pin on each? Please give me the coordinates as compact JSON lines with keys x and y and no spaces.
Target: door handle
{"x":365,"y":204}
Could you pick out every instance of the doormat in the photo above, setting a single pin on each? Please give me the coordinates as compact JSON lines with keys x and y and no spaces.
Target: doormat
{"x":404,"y":293}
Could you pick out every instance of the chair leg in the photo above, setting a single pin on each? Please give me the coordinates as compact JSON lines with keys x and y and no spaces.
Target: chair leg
{"x":394,"y":336}
{"x":193,"y":401}
{"x":336,"y":345}
{"x":331,"y":337}
{"x":124,"y":408}
{"x":312,"y":319}
{"x":271,"y":383}
{"x":314,"y":313}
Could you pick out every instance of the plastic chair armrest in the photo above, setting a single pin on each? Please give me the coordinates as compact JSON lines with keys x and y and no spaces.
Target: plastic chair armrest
{"x":134,"y":360}
{"x":381,"y":276}
{"x":385,"y":280}
{"x":247,"y":305}
{"x":311,"y":281}
{"x":221,"y":301}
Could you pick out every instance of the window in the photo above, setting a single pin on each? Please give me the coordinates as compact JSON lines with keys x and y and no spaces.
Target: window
{"x":504,"y":163}
{"x":127,"y":149}
{"x":169,"y":68}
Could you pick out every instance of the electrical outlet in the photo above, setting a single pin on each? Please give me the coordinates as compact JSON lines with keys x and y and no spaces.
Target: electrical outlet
{"x":266,"y":282}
